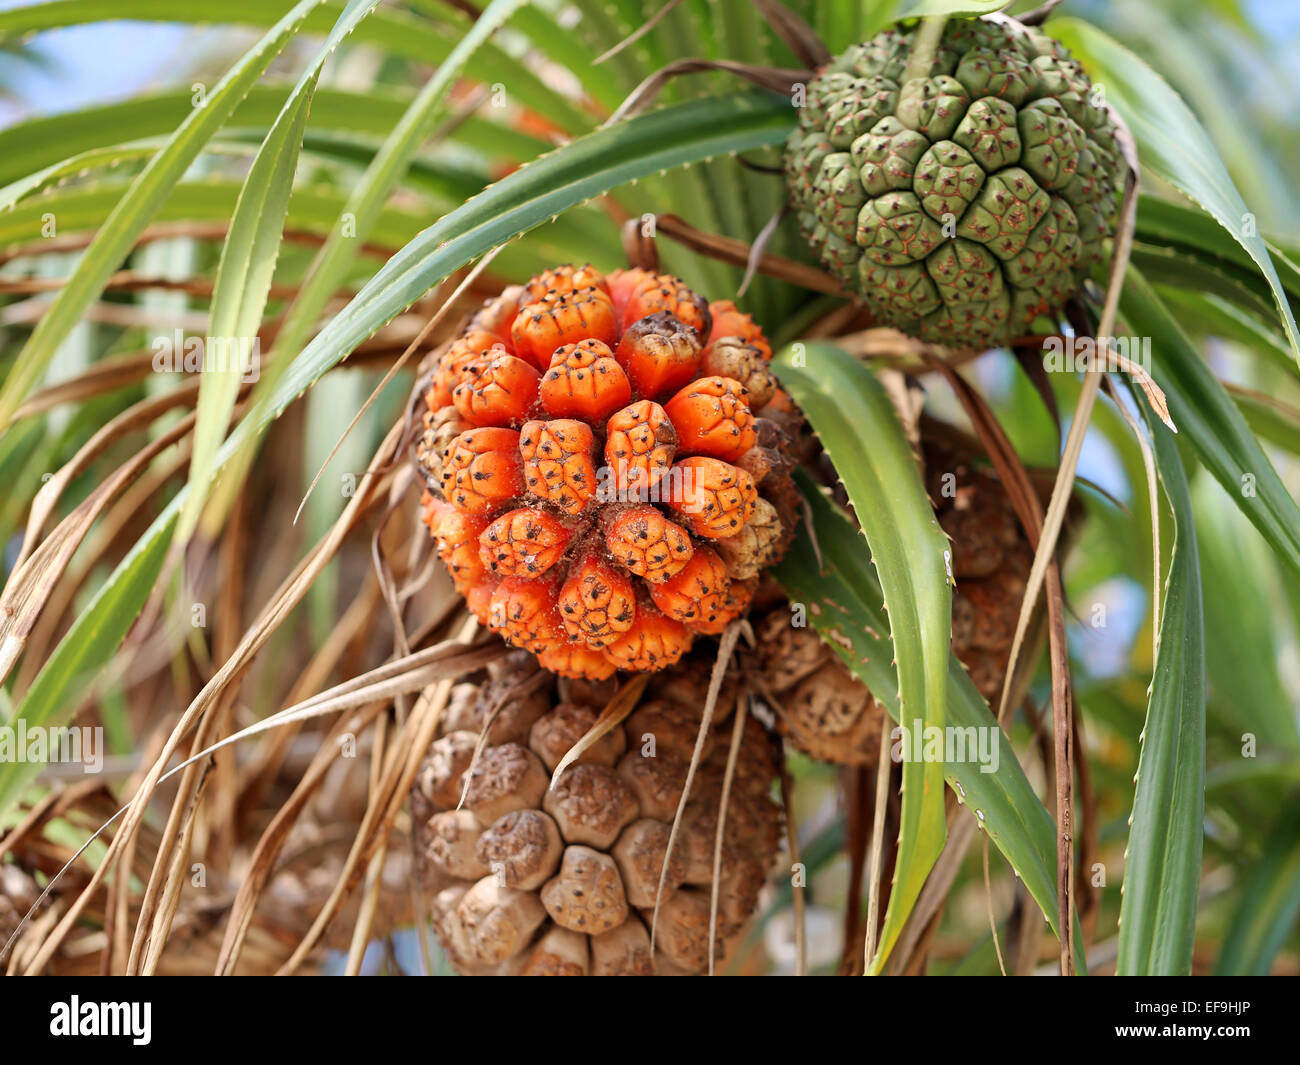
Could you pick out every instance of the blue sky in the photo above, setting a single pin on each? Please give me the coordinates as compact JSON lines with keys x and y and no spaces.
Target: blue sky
{"x":105,"y":61}
{"x":96,"y":63}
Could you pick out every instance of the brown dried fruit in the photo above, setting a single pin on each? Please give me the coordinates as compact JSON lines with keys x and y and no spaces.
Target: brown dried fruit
{"x":561,"y":882}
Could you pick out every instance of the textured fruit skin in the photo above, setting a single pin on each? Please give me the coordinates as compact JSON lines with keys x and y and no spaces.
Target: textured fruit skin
{"x":600,"y":469}
{"x":961,"y":207}
{"x":532,"y":880}
{"x":597,"y":602}
{"x":648,"y":544}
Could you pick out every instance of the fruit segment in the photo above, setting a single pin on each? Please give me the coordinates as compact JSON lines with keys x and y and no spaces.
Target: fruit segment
{"x":712,"y":417}
{"x":597,"y":603}
{"x":473,"y":346}
{"x":561,"y":318}
{"x":524,"y":612}
{"x":654,"y":293}
{"x":497,"y":391}
{"x":578,"y":661}
{"x":640,"y":448}
{"x":457,"y":537}
{"x":728,"y":321}
{"x":648,"y":544}
{"x":524,"y":543}
{"x":482,"y":470}
{"x":660,"y":354}
{"x":714,"y":498}
{"x":558,"y":464}
{"x":697,"y":594}
{"x":735,"y":602}
{"x":654,"y":643}
{"x":563,"y":279}
{"x":585,"y":381}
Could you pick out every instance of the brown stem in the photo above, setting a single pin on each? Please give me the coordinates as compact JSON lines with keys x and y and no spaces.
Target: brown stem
{"x":737,"y":253}
{"x":639,"y":245}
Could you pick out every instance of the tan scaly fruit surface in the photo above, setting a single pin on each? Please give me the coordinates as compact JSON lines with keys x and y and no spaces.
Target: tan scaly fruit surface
{"x":526,"y":879}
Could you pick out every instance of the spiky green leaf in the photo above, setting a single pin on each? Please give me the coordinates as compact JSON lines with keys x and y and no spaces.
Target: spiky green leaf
{"x":857,"y":424}
{"x":843,"y":597}
{"x":1162,"y":868}
{"x":247,"y":265}
{"x":114,"y":239}
{"x":1173,"y":144}
{"x":1211,"y":423}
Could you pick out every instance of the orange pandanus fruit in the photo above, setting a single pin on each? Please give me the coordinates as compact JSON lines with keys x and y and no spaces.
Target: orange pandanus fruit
{"x":601,"y":479}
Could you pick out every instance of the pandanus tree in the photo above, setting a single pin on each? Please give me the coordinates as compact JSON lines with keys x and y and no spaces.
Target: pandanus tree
{"x":619,"y":428}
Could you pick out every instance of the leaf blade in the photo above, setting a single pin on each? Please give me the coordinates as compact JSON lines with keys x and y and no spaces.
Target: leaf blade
{"x":1172,"y":142}
{"x":852,"y":624}
{"x":1209,"y":420}
{"x":1163,"y":859}
{"x":846,"y":404}
{"x":247,"y":264}
{"x":142,"y":199}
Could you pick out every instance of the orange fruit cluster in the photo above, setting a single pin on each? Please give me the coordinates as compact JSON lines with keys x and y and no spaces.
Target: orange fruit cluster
{"x":595,"y":456}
